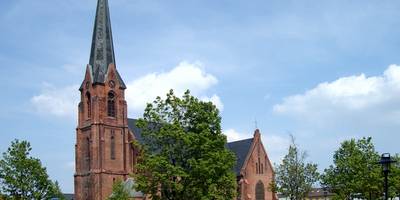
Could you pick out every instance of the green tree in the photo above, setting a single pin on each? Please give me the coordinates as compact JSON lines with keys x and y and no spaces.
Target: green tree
{"x":184,"y":155}
{"x":355,"y":172}
{"x":294,"y":177}
{"x":23,"y":177}
{"x":119,"y":192}
{"x":57,"y":191}
{"x":394,"y":178}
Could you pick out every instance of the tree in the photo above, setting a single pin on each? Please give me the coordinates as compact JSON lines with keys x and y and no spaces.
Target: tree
{"x":355,"y":172}
{"x":394,"y":178}
{"x":119,"y":192}
{"x":184,"y":154}
{"x":23,"y":177}
{"x":57,"y":191}
{"x":293,"y":177}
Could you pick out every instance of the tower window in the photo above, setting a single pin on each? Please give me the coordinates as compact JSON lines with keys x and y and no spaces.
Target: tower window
{"x":89,"y":105}
{"x":112,"y":145}
{"x":88,"y":153}
{"x":111,"y":104}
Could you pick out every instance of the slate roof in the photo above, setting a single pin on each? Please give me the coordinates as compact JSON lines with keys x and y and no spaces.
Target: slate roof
{"x":135,"y":130}
{"x":239,"y":148}
{"x":102,"y":51}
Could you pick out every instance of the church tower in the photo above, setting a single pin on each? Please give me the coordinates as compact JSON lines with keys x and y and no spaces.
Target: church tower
{"x":103,"y":150}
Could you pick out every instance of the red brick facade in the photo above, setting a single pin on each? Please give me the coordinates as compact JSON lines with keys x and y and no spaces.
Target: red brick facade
{"x":103,"y":151}
{"x":256,"y":173}
{"x":103,"y":141}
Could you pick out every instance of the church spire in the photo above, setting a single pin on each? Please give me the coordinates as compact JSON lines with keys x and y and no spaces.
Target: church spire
{"x":102,"y":51}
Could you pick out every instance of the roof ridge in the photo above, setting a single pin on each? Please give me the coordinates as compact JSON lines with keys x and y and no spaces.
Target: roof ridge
{"x":240,"y":140}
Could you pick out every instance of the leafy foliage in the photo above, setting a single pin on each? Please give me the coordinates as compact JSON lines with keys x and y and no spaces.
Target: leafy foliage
{"x":184,"y":156}
{"x":118,"y":192}
{"x":293,"y":177}
{"x":394,"y":178}
{"x":355,"y":172}
{"x":57,"y":191}
{"x":23,"y":177}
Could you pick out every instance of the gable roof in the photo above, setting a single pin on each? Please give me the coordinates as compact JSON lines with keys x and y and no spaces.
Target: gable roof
{"x":239,"y":148}
{"x":137,"y":132}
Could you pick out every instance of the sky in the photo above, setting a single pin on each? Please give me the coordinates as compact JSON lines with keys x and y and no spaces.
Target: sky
{"x":323,"y":71}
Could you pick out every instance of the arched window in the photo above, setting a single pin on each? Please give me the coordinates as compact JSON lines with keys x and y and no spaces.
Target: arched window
{"x":256,"y":168}
{"x":88,"y":153}
{"x":259,"y":166}
{"x":89,"y":105}
{"x":266,"y":164}
{"x":262,"y":169}
{"x":112,"y":145}
{"x":260,"y":191}
{"x":111,"y":104}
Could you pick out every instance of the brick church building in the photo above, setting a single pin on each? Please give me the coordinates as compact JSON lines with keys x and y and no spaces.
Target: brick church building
{"x":103,"y":150}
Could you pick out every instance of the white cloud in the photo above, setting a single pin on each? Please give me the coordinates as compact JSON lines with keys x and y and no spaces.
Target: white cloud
{"x":63,"y":102}
{"x":233,"y":135}
{"x":215,"y":100}
{"x":184,"y":76}
{"x":276,"y":146}
{"x":70,"y":165}
{"x":60,"y":102}
{"x":353,"y":97}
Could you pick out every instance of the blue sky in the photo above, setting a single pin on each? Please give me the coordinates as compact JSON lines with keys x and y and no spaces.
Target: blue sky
{"x":323,"y":71}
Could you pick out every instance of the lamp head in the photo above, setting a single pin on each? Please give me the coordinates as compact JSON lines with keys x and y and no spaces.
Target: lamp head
{"x":386,"y":161}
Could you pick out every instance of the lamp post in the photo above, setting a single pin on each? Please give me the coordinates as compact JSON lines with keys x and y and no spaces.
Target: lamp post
{"x":386,"y":161}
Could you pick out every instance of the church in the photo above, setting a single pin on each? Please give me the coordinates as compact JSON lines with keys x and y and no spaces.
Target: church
{"x":103,"y":150}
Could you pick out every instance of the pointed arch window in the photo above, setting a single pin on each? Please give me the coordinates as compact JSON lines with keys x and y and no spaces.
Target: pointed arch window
{"x":256,"y":168}
{"x":89,"y":105}
{"x":111,"y":104}
{"x":260,"y":193}
{"x":88,"y":153}
{"x":112,"y":145}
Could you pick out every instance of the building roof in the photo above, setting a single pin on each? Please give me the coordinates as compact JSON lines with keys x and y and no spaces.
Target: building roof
{"x":102,"y":51}
{"x":314,"y":193}
{"x":128,"y":187}
{"x":319,"y":192}
{"x":69,"y":196}
{"x":135,"y":130}
{"x":239,"y":148}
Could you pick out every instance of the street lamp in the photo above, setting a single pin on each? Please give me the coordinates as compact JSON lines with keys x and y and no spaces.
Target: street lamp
{"x":325,"y":192}
{"x":386,"y":161}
